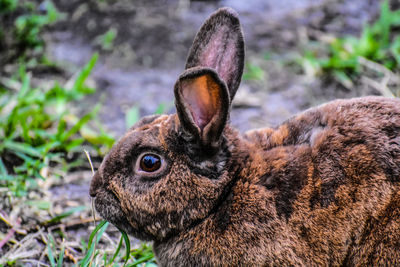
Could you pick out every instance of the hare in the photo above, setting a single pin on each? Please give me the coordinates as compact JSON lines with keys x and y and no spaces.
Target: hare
{"x":321,"y":189}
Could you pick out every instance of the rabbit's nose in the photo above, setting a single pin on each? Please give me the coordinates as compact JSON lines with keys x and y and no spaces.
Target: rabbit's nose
{"x":95,"y":184}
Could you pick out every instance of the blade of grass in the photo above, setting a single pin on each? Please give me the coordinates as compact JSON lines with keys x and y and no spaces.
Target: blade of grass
{"x":50,"y":252}
{"x":395,"y":49}
{"x":141,"y":260}
{"x":40,"y":204}
{"x":21,"y":147}
{"x":384,"y":23}
{"x":3,"y":169}
{"x":101,"y":227}
{"x":82,"y":121}
{"x":131,"y":117}
{"x":127,"y":246}
{"x":116,"y":252}
{"x":65,"y":214}
{"x":25,"y":86}
{"x":84,"y":74}
{"x":61,"y":256}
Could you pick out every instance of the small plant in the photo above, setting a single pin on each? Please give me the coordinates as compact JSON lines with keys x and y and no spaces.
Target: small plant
{"x":253,"y":72}
{"x":106,"y":40}
{"x":29,"y":26}
{"x":341,"y":58}
{"x":141,"y":255}
{"x":37,"y":128}
{"x":51,"y":247}
{"x":131,"y":117}
{"x":21,"y":27}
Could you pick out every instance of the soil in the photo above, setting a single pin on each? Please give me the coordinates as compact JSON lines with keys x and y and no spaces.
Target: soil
{"x":153,"y":38}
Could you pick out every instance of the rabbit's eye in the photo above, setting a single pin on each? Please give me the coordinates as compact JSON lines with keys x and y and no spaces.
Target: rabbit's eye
{"x":150,"y":163}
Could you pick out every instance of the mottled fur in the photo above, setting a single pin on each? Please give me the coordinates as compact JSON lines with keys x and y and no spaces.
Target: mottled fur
{"x":321,"y":189}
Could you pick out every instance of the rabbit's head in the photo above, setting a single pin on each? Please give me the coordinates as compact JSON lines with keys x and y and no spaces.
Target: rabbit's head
{"x":169,"y":172}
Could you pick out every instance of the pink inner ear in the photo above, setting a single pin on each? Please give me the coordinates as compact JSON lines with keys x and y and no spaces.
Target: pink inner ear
{"x":201,"y":96}
{"x":220,"y":54}
{"x":199,"y":112}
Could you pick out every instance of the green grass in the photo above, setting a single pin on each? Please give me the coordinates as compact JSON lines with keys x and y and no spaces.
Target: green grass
{"x":106,"y":40}
{"x":21,"y":27}
{"x":38,"y":128}
{"x":253,"y":72}
{"x":42,"y":134}
{"x":29,"y":25}
{"x":141,"y":256}
{"x":378,"y":42}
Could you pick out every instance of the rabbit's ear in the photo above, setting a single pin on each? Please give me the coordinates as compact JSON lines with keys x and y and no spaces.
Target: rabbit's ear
{"x":219,"y":45}
{"x":202,"y":103}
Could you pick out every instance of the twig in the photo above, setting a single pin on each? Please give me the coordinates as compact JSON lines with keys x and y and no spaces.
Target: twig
{"x":17,"y":251}
{"x":321,"y":36}
{"x":388,"y":76}
{"x":36,"y":262}
{"x":9,"y":235}
{"x":93,"y":212}
{"x":378,"y":68}
{"x":5,"y":219}
{"x":381,"y":87}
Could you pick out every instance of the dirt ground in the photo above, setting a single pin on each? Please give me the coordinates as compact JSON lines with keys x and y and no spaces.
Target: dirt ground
{"x":153,"y":39}
{"x":149,"y":52}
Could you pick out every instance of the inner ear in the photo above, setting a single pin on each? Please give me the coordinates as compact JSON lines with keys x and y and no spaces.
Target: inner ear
{"x":201,"y":96}
{"x":202,"y":102}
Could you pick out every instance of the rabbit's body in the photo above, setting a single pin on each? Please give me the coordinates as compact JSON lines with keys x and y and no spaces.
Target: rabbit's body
{"x":323,"y":188}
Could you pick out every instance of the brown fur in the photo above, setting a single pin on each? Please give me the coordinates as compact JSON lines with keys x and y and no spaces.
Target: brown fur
{"x":322,"y":189}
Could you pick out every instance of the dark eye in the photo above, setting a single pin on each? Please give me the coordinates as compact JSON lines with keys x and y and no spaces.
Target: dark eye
{"x":150,"y":163}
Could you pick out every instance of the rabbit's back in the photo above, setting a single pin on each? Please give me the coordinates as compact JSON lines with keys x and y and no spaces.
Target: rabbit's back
{"x":334,"y":172}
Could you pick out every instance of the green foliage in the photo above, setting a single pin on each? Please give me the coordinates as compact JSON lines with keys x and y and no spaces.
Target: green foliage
{"x":93,"y":240}
{"x":7,"y":6}
{"x":131,"y":117}
{"x":163,"y":107}
{"x":29,"y":26}
{"x":65,"y":214}
{"x":142,"y":255}
{"x":37,"y":127}
{"x":51,"y":248}
{"x":106,"y":40}
{"x":377,"y":42}
{"x":253,"y":72}
{"x":22,"y":27}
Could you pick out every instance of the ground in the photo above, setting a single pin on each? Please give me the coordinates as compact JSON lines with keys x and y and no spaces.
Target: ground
{"x":153,"y":39}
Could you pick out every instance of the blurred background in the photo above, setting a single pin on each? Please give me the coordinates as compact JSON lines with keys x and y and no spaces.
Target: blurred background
{"x":74,"y":75}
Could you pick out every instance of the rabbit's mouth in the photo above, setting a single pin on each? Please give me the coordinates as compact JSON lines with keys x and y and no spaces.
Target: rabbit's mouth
{"x":106,"y":203}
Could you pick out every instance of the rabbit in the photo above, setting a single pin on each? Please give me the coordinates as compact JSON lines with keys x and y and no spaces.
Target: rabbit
{"x":321,"y":189}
